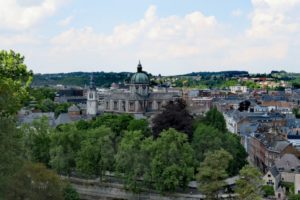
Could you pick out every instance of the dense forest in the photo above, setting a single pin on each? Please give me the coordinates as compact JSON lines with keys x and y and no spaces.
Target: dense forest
{"x":102,"y":79}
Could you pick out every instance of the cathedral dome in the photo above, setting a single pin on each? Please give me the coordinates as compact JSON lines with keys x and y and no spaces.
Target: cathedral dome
{"x":140,"y":77}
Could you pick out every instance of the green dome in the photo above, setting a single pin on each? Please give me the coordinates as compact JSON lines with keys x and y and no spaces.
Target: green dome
{"x":140,"y":77}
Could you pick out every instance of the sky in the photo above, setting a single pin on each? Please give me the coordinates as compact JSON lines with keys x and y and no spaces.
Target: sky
{"x":168,"y":36}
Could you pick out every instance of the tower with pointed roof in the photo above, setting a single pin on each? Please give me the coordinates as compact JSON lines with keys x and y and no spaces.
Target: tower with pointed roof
{"x":92,"y":100}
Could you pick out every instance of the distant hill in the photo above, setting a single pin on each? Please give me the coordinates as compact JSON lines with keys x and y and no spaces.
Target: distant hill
{"x":221,"y":73}
{"x":101,"y":79}
{"x":105,"y":79}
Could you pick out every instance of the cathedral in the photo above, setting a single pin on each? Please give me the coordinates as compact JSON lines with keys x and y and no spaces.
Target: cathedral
{"x":138,"y":99}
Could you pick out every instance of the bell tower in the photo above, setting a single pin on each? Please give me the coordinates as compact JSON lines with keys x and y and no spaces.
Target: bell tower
{"x":92,"y":99}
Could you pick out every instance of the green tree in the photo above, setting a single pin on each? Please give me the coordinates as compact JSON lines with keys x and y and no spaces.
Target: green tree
{"x":96,"y":154}
{"x":212,"y":173}
{"x":139,"y":125}
{"x":70,"y":193}
{"x":296,"y":112}
{"x":36,"y":138}
{"x":132,"y":159}
{"x":39,"y":94}
{"x":11,"y":150}
{"x":232,"y":144}
{"x":14,"y":82}
{"x":172,"y":163}
{"x":82,"y":125}
{"x":294,"y":197}
{"x":207,"y":138}
{"x":249,"y":185}
{"x":117,"y":123}
{"x":35,"y":182}
{"x":216,"y":119}
{"x":46,"y":105}
{"x":64,"y":146}
{"x":61,"y":108}
{"x":268,"y":190}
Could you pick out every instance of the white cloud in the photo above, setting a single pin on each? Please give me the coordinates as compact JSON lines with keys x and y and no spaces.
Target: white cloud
{"x":177,"y":44}
{"x":274,"y":18}
{"x":151,"y":37}
{"x":193,"y":40}
{"x":66,"y":21}
{"x":19,"y":39}
{"x":17,"y":16}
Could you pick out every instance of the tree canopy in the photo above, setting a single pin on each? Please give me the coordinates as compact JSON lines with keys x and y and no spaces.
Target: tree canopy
{"x":249,"y":185}
{"x":174,"y":115}
{"x":212,"y":173}
{"x":172,"y":164}
{"x":36,"y":182}
{"x":14,"y":82}
{"x":215,"y":119}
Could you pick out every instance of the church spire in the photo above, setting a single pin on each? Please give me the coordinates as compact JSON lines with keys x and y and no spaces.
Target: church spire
{"x":92,"y":83}
{"x":139,"y":68}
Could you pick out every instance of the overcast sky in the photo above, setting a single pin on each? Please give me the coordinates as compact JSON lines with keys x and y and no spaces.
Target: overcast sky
{"x":168,"y":36}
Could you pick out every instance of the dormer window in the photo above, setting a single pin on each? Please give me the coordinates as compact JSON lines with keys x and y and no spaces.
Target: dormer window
{"x":292,"y":169}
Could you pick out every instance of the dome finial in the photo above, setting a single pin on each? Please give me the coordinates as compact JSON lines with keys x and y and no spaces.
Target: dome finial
{"x":139,"y":68}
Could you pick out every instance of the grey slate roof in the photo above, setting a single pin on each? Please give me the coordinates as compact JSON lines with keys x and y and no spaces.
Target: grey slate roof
{"x":73,"y":108}
{"x":28,"y":119}
{"x":287,"y":162}
{"x":274,"y":171}
{"x":65,"y":118}
{"x":280,"y":145}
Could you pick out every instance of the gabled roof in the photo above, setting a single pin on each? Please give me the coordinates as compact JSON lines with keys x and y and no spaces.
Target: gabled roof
{"x":73,"y":108}
{"x":273,"y":170}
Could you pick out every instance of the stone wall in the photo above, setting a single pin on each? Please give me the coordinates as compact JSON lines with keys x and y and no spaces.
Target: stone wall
{"x":94,"y":190}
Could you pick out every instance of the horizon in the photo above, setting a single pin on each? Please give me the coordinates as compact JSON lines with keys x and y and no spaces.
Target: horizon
{"x":170,"y":37}
{"x":162,"y":74}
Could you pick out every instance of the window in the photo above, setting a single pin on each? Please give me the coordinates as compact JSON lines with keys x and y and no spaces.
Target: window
{"x":270,"y":182}
{"x":115,"y":105}
{"x":269,"y":175}
{"x":150,"y":104}
{"x":107,"y":105}
{"x":292,"y":169}
{"x":123,"y":105}
{"x":158,"y":105}
{"x":91,"y":95}
{"x":131,"y":106}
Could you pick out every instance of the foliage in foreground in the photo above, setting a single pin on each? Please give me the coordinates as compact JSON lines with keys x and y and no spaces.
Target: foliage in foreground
{"x":34,"y":181}
{"x":212,"y":173}
{"x":249,"y":185}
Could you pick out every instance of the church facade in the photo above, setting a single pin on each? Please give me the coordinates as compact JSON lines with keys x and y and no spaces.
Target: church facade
{"x":138,"y":99}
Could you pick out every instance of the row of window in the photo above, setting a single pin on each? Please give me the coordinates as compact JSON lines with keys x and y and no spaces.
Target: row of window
{"x":131,"y":105}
